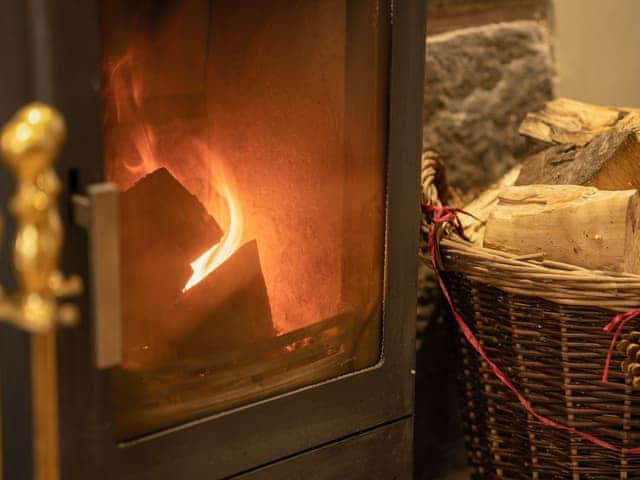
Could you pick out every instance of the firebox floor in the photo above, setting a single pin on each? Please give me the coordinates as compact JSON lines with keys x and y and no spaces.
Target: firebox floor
{"x":150,"y":400}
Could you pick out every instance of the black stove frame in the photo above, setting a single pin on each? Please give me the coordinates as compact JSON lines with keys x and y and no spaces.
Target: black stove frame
{"x":355,"y":426}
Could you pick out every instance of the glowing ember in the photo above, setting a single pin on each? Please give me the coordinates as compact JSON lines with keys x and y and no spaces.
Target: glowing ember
{"x":217,"y":254}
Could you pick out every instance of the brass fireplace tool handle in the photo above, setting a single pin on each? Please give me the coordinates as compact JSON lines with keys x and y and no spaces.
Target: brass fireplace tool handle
{"x":29,"y":144}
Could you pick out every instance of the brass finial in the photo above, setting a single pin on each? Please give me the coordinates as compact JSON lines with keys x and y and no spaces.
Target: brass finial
{"x":29,"y":144}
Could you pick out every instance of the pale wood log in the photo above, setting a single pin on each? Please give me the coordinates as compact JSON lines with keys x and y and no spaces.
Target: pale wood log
{"x":448,"y":15}
{"x":610,"y":161}
{"x":566,"y":121}
{"x":578,"y":225}
{"x":480,"y":208}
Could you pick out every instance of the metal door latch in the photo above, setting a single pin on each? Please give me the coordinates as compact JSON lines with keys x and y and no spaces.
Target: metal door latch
{"x":99,"y":213}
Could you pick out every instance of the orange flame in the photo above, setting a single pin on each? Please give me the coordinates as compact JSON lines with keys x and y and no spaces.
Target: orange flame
{"x":218,"y":253}
{"x":127,"y":89}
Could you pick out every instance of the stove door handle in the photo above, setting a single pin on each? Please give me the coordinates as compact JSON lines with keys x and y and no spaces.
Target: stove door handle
{"x":99,"y":214}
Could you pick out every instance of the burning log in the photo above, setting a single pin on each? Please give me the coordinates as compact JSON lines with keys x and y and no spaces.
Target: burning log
{"x":158,"y":210}
{"x":228,"y":309}
{"x":164,"y":228}
{"x":583,"y":226}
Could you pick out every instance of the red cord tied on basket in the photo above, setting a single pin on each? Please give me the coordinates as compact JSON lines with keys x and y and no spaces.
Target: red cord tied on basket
{"x":438,"y":217}
{"x":441,"y":215}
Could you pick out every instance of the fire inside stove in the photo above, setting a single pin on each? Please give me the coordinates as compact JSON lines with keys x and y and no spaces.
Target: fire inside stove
{"x":249,"y":147}
{"x":219,"y":252}
{"x":127,"y":81}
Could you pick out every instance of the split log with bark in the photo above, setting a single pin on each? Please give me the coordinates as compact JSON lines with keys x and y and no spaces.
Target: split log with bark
{"x":610,"y":161}
{"x":587,"y":145}
{"x":581,"y":226}
{"x":570,"y":122}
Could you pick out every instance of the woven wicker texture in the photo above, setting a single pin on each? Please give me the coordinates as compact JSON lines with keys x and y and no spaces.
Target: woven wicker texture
{"x":542,"y":323}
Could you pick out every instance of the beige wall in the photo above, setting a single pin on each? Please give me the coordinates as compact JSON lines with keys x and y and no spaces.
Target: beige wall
{"x":597,"y":49}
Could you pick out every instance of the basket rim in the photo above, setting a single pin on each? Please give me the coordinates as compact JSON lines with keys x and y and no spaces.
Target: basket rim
{"x":527,"y":275}
{"x":534,"y":276}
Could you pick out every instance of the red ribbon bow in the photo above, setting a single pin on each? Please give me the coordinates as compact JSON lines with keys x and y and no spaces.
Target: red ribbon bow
{"x":441,"y":215}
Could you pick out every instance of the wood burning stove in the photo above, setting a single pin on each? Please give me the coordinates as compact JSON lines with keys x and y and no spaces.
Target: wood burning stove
{"x":251,"y":276}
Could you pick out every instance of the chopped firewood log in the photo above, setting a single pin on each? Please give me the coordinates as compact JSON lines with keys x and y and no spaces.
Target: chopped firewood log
{"x":480,"y":208}
{"x":582,"y":226}
{"x":227,"y":310}
{"x":610,"y":161}
{"x":165,"y":228}
{"x":158,"y":208}
{"x":569,"y":122}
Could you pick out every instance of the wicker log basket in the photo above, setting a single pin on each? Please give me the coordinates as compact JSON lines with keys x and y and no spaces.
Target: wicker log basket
{"x":541,"y":323}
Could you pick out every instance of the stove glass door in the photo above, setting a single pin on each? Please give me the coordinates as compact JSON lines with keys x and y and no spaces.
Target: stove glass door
{"x":248,"y":141}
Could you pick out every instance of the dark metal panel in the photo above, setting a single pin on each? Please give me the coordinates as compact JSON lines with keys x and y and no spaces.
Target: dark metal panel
{"x":66,"y":74}
{"x":16,"y":90}
{"x":382,"y":453}
{"x":14,"y":74}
